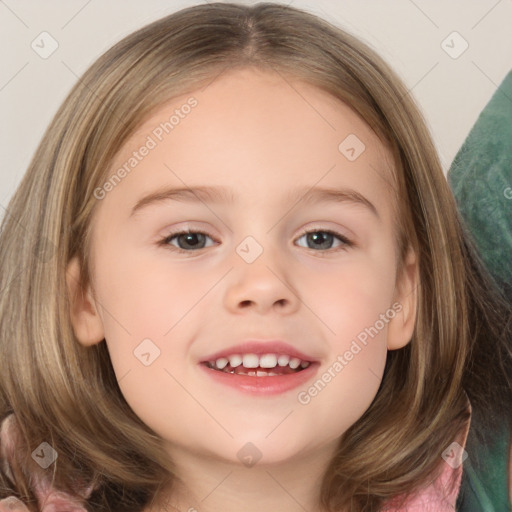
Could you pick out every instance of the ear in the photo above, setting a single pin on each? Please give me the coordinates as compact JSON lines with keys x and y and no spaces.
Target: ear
{"x":86,"y":321}
{"x":405,"y":301}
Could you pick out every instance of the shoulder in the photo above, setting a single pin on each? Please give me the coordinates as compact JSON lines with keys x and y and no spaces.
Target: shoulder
{"x":441,"y":494}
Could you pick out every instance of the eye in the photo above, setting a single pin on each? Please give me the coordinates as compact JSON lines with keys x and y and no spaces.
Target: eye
{"x":323,"y":239}
{"x":190,"y":240}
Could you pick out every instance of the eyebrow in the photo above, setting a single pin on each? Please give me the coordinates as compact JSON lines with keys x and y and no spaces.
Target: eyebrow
{"x":216,"y":194}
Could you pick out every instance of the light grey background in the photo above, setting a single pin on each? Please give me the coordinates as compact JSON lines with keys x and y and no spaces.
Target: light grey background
{"x":409,"y":34}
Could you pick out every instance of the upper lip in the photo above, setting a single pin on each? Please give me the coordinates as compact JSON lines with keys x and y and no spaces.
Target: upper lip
{"x":259,"y":348}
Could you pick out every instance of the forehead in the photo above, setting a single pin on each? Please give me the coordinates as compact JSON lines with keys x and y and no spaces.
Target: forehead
{"x":259,"y":133}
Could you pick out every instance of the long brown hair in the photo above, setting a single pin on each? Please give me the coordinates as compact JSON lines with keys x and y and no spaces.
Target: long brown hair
{"x":68,"y":395}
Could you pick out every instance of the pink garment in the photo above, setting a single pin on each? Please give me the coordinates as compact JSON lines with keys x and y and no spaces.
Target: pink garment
{"x":438,"y":497}
{"x":49,"y":499}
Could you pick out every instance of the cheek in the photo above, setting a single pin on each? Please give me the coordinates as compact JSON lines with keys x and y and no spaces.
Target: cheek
{"x":355,"y":306}
{"x":344,"y":388}
{"x":150,"y":313}
{"x":144,"y":298}
{"x":353,"y":296}
{"x":147,"y":311}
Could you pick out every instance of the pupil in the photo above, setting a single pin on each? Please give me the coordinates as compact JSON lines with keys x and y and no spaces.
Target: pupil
{"x":193,"y":236}
{"x":319,"y":235}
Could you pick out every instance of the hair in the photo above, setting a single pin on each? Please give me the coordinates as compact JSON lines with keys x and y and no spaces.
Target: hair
{"x":68,"y":395}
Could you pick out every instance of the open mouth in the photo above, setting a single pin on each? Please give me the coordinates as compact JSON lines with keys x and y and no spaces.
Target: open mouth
{"x":266,"y":365}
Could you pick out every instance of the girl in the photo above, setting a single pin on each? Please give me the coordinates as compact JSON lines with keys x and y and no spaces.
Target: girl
{"x":317,"y":353}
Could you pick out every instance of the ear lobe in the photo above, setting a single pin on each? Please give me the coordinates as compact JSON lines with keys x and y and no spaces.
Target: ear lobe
{"x":86,"y":321}
{"x":401,"y":327}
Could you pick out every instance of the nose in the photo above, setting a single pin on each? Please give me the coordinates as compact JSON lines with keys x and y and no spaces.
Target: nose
{"x":261,"y":286}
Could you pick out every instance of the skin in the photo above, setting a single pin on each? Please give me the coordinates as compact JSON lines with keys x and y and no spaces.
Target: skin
{"x":255,"y":133}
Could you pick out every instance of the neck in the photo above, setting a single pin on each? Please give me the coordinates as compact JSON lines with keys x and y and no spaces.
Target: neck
{"x":213,"y":485}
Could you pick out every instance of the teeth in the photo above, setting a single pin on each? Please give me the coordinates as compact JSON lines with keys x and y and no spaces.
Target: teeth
{"x":254,"y":361}
{"x":294,"y":363}
{"x":283,"y":360}
{"x":221,"y":363}
{"x":235,"y":361}
{"x":268,"y":361}
{"x":251,"y":361}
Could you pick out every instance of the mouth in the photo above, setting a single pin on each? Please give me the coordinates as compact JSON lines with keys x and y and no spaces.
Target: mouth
{"x":254,"y":365}
{"x":260,"y":375}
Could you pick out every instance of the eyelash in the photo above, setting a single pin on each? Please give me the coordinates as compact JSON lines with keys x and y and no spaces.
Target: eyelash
{"x":346,"y":243}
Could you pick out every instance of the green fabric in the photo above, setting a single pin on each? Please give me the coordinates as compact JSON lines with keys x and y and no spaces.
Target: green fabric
{"x":484,"y":486}
{"x":481,"y":180}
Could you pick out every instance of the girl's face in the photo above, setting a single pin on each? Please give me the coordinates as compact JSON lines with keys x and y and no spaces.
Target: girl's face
{"x":275,"y":158}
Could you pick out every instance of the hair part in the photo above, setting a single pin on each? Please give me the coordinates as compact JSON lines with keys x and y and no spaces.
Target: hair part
{"x":459,"y":332}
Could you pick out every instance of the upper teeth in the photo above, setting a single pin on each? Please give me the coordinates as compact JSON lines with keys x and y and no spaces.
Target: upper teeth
{"x":263,"y":361}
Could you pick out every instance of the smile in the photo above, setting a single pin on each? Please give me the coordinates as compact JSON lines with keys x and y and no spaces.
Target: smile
{"x":267,"y":374}
{"x":266,"y":365}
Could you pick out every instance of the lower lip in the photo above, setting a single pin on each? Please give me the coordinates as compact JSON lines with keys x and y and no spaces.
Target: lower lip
{"x":267,"y":386}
